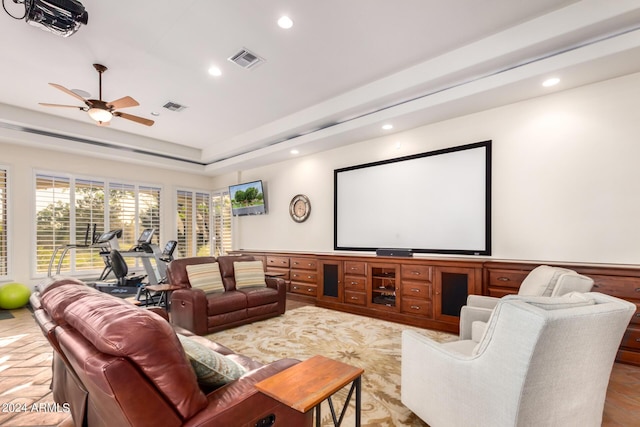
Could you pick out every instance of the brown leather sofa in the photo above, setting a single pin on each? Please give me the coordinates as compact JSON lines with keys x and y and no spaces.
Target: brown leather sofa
{"x":118,"y":364}
{"x":203,"y":313}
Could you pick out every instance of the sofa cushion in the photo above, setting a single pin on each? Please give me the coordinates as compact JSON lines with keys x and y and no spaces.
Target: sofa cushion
{"x":205,"y":276}
{"x":249,"y":274}
{"x":570,"y":300}
{"x":211,"y":368}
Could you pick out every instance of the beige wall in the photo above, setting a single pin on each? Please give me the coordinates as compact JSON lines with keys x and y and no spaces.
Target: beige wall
{"x":24,"y":161}
{"x":566,"y":178}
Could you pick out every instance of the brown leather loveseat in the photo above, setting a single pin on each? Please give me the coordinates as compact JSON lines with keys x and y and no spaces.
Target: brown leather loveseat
{"x":204,"y":313}
{"x":118,"y":364}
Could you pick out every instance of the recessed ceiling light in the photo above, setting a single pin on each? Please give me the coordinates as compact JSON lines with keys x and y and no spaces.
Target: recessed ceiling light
{"x":285,"y":22}
{"x":215,"y":71}
{"x":388,"y":126}
{"x":294,"y":151}
{"x":155,"y":113}
{"x":551,"y":82}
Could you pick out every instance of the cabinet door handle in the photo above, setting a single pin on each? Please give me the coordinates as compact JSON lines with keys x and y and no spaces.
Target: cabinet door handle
{"x":415,"y":290}
{"x":309,"y":277}
{"x":309,"y":290}
{"x":415,"y":273}
{"x":354,"y":298}
{"x":503,"y":279}
{"x":415,"y":307}
{"x":354,"y":283}
{"x":295,"y":287}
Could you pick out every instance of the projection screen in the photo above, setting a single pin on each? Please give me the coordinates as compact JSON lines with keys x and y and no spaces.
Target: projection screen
{"x":434,"y":202}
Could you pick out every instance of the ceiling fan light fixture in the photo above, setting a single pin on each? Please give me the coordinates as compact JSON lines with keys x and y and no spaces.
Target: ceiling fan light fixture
{"x":100,"y":115}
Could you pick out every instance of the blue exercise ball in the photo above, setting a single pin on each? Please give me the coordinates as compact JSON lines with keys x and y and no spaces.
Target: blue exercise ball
{"x":14,"y":295}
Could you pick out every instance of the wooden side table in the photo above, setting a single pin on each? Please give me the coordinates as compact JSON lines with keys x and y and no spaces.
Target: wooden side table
{"x":304,"y":386}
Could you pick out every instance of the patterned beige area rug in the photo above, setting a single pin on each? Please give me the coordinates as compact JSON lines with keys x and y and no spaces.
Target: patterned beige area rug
{"x":372,"y":344}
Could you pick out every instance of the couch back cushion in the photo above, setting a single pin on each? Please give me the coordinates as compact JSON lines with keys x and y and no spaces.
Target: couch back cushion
{"x":249,"y":274}
{"x":226,"y":269}
{"x":56,"y":299}
{"x":177,"y":269}
{"x":205,"y":276}
{"x":116,"y":327}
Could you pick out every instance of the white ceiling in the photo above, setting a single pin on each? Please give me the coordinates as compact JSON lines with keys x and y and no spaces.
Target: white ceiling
{"x":344,"y":68}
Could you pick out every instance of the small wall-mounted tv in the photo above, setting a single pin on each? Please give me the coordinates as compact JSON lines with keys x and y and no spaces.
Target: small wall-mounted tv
{"x":247,"y":199}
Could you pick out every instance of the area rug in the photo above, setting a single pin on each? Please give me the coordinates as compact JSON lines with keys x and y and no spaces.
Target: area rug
{"x":371,"y":344}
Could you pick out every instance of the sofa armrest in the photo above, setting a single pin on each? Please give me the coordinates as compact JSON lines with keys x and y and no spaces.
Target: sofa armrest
{"x":274,"y":282}
{"x":482,"y":301}
{"x":241,"y":401}
{"x":189,"y":310}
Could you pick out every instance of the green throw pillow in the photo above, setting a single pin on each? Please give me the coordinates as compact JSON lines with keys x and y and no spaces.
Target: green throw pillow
{"x":248,"y":274}
{"x":205,"y":276}
{"x":212,"y":369}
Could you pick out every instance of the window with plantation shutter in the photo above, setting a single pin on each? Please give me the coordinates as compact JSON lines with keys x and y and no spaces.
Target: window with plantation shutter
{"x":193,"y":223}
{"x":53,"y":218}
{"x":149,"y":210}
{"x":89,"y":201}
{"x":4,"y":240}
{"x":68,"y":208}
{"x":221,"y":203}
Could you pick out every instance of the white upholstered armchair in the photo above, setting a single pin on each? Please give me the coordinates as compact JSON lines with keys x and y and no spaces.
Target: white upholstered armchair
{"x":542,"y":362}
{"x":543,"y":280}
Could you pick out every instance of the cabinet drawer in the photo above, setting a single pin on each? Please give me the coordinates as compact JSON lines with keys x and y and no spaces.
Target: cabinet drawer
{"x":421,"y":290}
{"x":417,"y":272}
{"x":621,"y":287}
{"x":416,"y":306}
{"x":355,"y":282}
{"x":506,"y":278}
{"x":631,"y":339}
{"x":303,"y":288}
{"x":304,"y":276}
{"x":351,"y":297}
{"x":304,"y":264}
{"x":277,"y":261}
{"x":354,"y":267}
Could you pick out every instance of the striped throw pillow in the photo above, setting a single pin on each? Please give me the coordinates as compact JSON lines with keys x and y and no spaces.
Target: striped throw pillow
{"x":248,"y":274}
{"x":205,"y":276}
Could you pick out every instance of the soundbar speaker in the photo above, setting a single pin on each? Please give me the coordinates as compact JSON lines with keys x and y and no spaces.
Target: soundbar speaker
{"x":395,"y":252}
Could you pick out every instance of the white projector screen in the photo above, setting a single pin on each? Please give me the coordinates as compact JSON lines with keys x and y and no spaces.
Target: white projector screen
{"x":435,"y":202}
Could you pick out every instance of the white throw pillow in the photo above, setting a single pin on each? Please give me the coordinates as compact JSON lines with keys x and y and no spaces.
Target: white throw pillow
{"x":205,"y":276}
{"x":249,"y":274}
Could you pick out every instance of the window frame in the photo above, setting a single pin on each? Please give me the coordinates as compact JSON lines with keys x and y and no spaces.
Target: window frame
{"x":8,"y":223}
{"x":107,"y":183}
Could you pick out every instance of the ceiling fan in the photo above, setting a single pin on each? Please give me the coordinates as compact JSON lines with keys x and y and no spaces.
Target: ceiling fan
{"x":100,"y":111}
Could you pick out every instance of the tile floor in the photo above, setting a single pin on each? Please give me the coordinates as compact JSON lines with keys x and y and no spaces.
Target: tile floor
{"x":25,"y":374}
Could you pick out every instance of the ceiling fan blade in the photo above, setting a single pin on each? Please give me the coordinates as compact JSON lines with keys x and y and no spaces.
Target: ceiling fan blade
{"x":133,"y":118}
{"x":44,"y":104}
{"x":124,"y":102}
{"x":69,"y":92}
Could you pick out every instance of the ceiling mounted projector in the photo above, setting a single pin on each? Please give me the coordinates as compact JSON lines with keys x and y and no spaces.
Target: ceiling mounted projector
{"x":61,"y":17}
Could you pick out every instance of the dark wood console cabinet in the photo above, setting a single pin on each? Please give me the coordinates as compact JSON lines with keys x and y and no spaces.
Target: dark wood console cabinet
{"x":428,"y":292}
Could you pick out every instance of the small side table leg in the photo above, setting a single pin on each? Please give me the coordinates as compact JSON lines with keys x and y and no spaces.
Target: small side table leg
{"x":358,"y":400}
{"x":318,"y":416}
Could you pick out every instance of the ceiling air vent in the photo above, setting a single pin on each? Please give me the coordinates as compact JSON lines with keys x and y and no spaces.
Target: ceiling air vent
{"x":174,"y":106}
{"x":246,"y":59}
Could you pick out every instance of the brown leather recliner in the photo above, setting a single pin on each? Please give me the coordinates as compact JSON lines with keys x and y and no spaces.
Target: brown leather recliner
{"x":126,"y":367}
{"x":203,"y":313}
